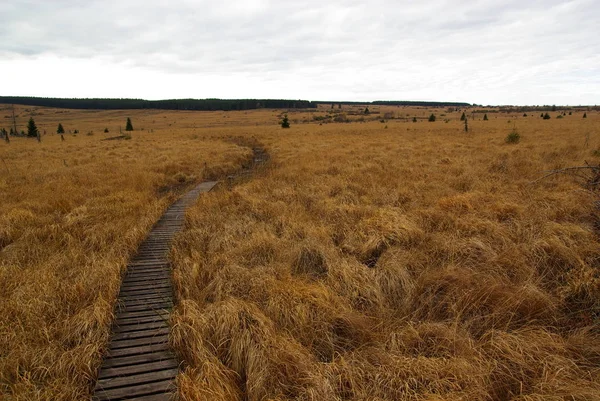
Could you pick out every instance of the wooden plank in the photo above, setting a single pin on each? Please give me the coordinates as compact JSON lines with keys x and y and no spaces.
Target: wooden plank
{"x":144,"y":349}
{"x":162,"y":316}
{"x":163,"y":386}
{"x":149,"y":270}
{"x":133,"y":292}
{"x":141,"y":378}
{"x":155,"y":397}
{"x":128,"y":296}
{"x":142,"y":333}
{"x":144,"y":299}
{"x":124,"y":301}
{"x":125,"y":297}
{"x":149,"y":277}
{"x":163,"y":271}
{"x":140,"y":263}
{"x":166,"y":305}
{"x":148,"y":264}
{"x":137,"y":342}
{"x":137,"y":369}
{"x":135,"y":286}
{"x":130,"y":315}
{"x":126,"y":328}
{"x":148,"y":358}
{"x":141,"y":271}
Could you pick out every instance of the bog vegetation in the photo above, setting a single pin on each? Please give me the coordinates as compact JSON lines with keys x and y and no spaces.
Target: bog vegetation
{"x":418,"y":262}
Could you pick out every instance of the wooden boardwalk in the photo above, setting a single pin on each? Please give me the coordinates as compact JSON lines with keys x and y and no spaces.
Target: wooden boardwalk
{"x":139,"y":364}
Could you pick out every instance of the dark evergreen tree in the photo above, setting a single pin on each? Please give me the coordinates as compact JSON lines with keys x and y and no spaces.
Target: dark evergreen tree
{"x":106,"y":130}
{"x":432,"y":118}
{"x":414,"y":119}
{"x":129,"y":126}
{"x":546,"y":116}
{"x":584,"y":115}
{"x":285,"y":123}
{"x":60,"y":129}
{"x":485,"y":117}
{"x":367,"y":110}
{"x":463,"y":117}
{"x":32,"y":130}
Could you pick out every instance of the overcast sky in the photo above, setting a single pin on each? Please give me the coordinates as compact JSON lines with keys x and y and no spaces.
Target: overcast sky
{"x":485,"y":52}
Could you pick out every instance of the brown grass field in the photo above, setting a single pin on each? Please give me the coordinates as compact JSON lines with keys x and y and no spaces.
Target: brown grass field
{"x":364,"y":261}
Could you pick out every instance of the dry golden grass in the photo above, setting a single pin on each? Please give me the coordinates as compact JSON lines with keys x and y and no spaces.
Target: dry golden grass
{"x":414,"y":262}
{"x":71,"y":214}
{"x":411,"y":262}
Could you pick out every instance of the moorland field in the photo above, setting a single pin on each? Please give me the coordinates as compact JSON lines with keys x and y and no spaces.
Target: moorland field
{"x":371,"y":258}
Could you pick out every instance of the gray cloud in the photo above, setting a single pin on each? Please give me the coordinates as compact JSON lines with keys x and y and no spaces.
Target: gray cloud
{"x":484,"y":51}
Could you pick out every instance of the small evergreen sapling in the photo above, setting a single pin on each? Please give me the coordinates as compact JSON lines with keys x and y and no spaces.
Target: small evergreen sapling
{"x":32,"y":130}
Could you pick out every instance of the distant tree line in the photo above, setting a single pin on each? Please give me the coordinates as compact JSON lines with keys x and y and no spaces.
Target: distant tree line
{"x":173,"y":104}
{"x":419,"y":103}
{"x":396,"y":103}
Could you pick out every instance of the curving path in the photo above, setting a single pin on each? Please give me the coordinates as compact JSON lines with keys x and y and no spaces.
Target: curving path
{"x":139,"y":364}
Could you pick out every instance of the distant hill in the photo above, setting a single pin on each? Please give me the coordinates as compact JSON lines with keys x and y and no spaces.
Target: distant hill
{"x":171,"y":104}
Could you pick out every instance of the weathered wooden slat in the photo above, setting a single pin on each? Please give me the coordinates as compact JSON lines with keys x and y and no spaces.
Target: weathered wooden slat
{"x":148,"y":358}
{"x":129,"y":315}
{"x":137,"y":342}
{"x":166,"y":305}
{"x":140,"y":333}
{"x":128,"y":303}
{"x":143,"y":349}
{"x":148,"y":284}
{"x":139,"y":299}
{"x":126,"y":328}
{"x":154,"y":397}
{"x":137,"y":369}
{"x":125,"y":296}
{"x":148,"y":278}
{"x":124,"y":393}
{"x":141,"y":378}
{"x":141,"y":320}
{"x":160,"y":315}
{"x":140,"y":291}
{"x":149,"y":271}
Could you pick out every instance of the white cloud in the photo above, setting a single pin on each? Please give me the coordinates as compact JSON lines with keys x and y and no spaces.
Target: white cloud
{"x":486,"y":52}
